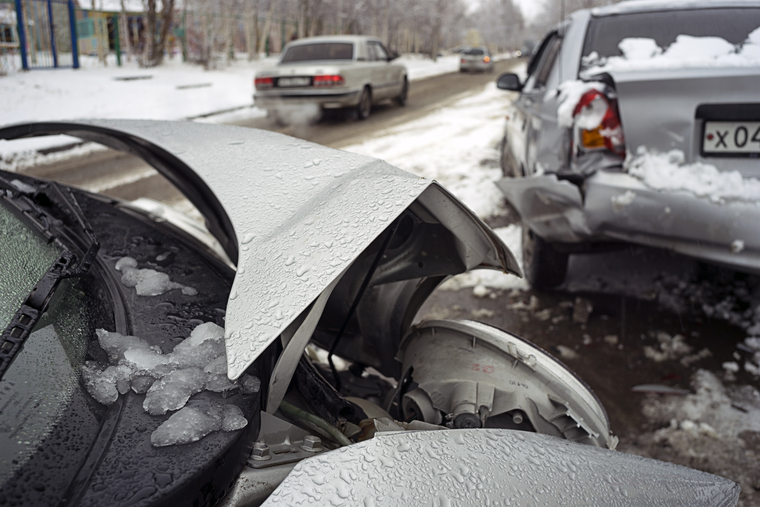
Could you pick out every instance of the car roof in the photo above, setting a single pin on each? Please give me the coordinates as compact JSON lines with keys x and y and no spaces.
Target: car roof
{"x":632,"y":6}
{"x":333,"y":38}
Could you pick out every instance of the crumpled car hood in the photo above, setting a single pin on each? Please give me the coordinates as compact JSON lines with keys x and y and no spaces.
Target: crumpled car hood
{"x":291,"y":214}
{"x":473,"y":467}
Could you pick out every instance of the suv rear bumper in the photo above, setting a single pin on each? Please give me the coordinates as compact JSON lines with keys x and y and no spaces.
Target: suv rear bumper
{"x":617,"y":206}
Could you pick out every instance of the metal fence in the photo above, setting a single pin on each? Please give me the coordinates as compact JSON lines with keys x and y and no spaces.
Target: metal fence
{"x":47,"y":34}
{"x":9,"y":44}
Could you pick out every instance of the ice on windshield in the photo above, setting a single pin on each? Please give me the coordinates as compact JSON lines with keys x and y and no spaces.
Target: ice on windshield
{"x":148,"y":282}
{"x":196,"y":364}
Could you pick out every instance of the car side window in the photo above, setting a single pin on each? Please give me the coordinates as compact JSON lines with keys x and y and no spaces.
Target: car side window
{"x":541,"y":64}
{"x":380,"y":52}
{"x":371,"y":54}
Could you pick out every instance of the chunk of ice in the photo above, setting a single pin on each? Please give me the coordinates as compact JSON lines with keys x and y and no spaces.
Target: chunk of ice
{"x":116,"y":344}
{"x":218,"y":366}
{"x":148,"y":282}
{"x":173,"y":390}
{"x":233,"y":418}
{"x":169,"y":380}
{"x":141,"y":383}
{"x":105,"y":385}
{"x":249,"y":384}
{"x":195,"y":421}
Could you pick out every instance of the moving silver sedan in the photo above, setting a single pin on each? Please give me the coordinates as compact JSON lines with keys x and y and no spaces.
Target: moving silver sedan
{"x":333,"y":72}
{"x":639,"y":122}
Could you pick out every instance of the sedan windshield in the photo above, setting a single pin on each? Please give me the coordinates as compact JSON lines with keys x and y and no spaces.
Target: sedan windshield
{"x":733,"y":25}
{"x":319,"y":51}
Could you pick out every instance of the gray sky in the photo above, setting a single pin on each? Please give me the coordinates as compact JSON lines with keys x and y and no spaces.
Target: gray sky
{"x":529,"y":8}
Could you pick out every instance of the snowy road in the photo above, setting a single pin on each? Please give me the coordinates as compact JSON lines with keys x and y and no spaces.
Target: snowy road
{"x":127,"y":177}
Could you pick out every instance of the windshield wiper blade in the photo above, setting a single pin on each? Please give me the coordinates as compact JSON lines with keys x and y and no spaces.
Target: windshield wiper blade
{"x":65,"y":266}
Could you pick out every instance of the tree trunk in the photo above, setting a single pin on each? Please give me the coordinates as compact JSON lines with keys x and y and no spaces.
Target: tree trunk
{"x":229,"y":43}
{"x":124,"y":32}
{"x":267,"y":26}
{"x":250,"y":32}
{"x":153,"y":51}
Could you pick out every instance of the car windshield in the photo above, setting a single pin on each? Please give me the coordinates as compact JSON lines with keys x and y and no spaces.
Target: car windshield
{"x":42,"y":383}
{"x":605,"y":33}
{"x":319,"y":51}
{"x":474,"y":52}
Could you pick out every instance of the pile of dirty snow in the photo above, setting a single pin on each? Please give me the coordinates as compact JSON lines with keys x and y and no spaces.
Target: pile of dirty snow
{"x":668,"y":171}
{"x":196,"y":364}
{"x":714,"y":429}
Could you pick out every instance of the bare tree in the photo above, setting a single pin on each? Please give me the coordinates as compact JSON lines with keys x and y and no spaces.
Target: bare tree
{"x":156,"y":33}
{"x":124,"y":32}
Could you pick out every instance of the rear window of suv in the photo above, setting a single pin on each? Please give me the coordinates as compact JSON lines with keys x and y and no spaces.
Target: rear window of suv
{"x":318,"y":52}
{"x":732,"y":24}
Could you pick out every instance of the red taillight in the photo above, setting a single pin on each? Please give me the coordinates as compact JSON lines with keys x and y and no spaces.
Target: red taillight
{"x":462,"y":61}
{"x":486,"y":59}
{"x":609,"y":132}
{"x":263,"y":82}
{"x":329,"y":80}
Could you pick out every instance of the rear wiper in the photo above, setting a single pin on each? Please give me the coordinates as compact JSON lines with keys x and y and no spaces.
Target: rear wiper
{"x":27,"y":203}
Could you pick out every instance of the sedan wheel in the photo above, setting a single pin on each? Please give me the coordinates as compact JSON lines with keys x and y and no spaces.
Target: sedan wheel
{"x":544,"y":266}
{"x":364,"y":106}
{"x":404,"y":95}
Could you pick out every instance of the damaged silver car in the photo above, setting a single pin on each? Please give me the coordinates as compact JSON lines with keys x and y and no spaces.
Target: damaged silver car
{"x":639,"y":123}
{"x":272,"y":357}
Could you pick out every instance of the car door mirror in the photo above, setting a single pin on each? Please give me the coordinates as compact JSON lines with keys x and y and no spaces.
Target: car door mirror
{"x":509,"y":82}
{"x":392,"y":55}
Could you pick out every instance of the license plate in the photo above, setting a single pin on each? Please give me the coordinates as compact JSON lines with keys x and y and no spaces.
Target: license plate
{"x":731,"y":137}
{"x":293,"y":81}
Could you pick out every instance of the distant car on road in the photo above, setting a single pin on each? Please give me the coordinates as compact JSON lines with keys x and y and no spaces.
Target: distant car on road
{"x":476,"y":59}
{"x":333,"y":72}
{"x":638,"y":122}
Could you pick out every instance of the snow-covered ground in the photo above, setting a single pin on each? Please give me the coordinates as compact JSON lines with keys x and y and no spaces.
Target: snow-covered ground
{"x":173,"y":91}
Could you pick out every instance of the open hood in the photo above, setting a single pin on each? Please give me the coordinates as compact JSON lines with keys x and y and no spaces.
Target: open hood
{"x":292,"y":215}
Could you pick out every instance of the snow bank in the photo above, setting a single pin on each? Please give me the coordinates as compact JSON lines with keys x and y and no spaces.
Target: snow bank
{"x":421,"y":67}
{"x":686,"y":52}
{"x":667,"y":171}
{"x":457,"y":146}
